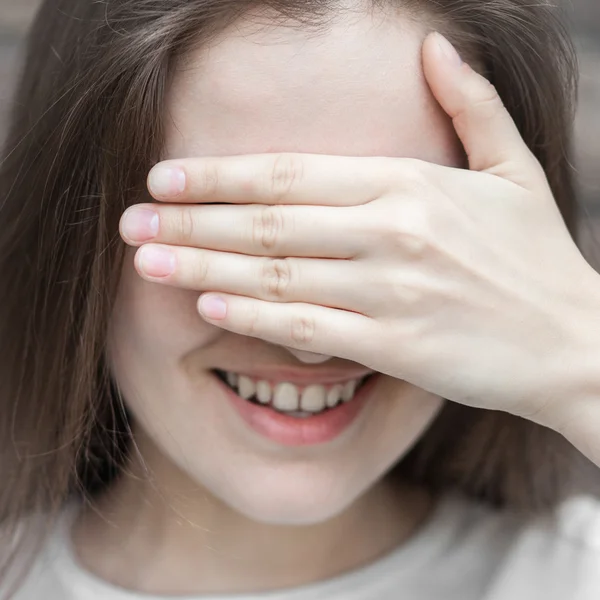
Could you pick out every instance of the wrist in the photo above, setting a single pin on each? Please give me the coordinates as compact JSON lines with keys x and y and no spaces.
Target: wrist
{"x":574,"y":411}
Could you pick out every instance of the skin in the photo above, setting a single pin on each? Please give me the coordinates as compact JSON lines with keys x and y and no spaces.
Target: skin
{"x":207,"y":506}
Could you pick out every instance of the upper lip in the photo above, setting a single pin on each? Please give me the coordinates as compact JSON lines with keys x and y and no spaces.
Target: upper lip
{"x":304,"y":377}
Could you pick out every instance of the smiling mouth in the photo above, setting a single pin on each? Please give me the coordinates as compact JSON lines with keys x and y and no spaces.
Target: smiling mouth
{"x":287,"y":399}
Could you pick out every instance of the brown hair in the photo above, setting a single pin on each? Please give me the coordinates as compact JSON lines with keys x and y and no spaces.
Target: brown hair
{"x":87,"y":127}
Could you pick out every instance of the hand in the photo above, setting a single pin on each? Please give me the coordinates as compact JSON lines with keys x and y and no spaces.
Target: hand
{"x":462,"y":282}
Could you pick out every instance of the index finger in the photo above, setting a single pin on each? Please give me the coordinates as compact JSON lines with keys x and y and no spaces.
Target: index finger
{"x":281,"y":178}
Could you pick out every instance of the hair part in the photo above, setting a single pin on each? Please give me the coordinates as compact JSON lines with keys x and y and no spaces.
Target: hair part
{"x":86,"y":128}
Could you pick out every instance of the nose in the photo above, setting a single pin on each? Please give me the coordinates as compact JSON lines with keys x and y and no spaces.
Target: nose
{"x":308,"y":357}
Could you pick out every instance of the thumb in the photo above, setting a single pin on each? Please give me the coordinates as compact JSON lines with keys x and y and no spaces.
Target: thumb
{"x":489,"y":135}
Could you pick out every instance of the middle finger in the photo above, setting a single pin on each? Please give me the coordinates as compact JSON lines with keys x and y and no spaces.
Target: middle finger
{"x":316,"y":281}
{"x":254,"y":229}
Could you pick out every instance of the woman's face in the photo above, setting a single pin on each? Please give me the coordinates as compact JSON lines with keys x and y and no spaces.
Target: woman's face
{"x":356,"y":90}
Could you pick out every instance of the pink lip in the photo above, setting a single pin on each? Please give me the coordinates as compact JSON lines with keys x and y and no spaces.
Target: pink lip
{"x":291,"y":431}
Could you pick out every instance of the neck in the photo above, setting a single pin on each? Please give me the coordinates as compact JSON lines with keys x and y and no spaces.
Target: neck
{"x":138,"y":537}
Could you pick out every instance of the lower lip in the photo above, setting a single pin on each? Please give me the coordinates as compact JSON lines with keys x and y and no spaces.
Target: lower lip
{"x":291,"y":431}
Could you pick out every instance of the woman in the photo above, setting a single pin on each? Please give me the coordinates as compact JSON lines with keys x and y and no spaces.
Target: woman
{"x":150,"y":453}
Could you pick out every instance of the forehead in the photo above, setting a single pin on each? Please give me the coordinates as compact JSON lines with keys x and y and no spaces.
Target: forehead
{"x":356,"y":88}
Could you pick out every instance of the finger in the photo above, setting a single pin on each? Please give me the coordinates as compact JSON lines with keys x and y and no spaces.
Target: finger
{"x":330,"y":283}
{"x":286,"y":178}
{"x":489,"y":135}
{"x":315,"y":329}
{"x":303,"y":231}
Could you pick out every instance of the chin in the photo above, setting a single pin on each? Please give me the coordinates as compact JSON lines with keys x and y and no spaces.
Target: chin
{"x":291,"y":502}
{"x":299,"y":513}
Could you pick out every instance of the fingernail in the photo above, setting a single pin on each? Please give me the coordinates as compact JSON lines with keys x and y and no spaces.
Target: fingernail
{"x":448,"y":50}
{"x":140,"y":224}
{"x":156,"y":261}
{"x":166,"y":181}
{"x":213,"y":307}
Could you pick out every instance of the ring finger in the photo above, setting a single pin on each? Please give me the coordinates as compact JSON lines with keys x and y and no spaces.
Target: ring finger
{"x":325,"y":282}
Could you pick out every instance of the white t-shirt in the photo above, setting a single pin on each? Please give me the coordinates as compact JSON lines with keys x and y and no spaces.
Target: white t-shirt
{"x":464,"y":552}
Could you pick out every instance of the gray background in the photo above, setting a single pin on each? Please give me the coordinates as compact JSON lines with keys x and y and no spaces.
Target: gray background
{"x":15,"y":16}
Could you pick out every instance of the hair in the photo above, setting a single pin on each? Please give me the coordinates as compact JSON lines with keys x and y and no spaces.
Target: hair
{"x":87,"y":126}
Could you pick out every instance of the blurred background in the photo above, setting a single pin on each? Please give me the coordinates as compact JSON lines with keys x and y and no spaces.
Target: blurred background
{"x":584,"y":17}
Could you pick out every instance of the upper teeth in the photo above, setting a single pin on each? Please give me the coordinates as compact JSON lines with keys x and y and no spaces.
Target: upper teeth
{"x":288,"y":397}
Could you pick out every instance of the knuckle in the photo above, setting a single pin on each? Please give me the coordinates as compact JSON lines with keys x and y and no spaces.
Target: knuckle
{"x":388,"y":170}
{"x":410,"y":172}
{"x":186,"y":226}
{"x":489,"y":101}
{"x":302,"y":330}
{"x":253,"y":319}
{"x":200,"y":271}
{"x":419,"y":173}
{"x":409,"y":180}
{"x":409,"y":229}
{"x":408,"y":294}
{"x":209,"y":178}
{"x":286,"y":172}
{"x":276,"y":278}
{"x":267,"y":227}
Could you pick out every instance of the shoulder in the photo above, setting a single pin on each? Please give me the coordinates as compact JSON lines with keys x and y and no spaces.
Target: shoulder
{"x":574,"y":521}
{"x":487,"y":554}
{"x":37,"y":567}
{"x":577,"y":522}
{"x":552,"y":556}
{"x":572,"y":528}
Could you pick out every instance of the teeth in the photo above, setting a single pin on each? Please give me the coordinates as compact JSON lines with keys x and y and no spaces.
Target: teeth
{"x":313,"y":398}
{"x":286,"y":397}
{"x":246,"y":387}
{"x":334,"y":395}
{"x":348,"y":391}
{"x":263,"y":392}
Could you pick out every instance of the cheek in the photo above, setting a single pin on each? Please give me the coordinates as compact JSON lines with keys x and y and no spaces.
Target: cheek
{"x":156,"y":322}
{"x":404,"y":414}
